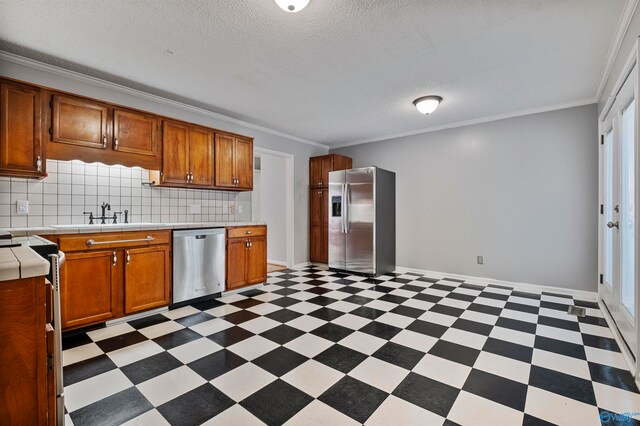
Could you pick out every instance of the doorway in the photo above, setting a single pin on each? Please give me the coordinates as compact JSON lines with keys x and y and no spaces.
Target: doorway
{"x":272,"y":203}
{"x":618,"y":218}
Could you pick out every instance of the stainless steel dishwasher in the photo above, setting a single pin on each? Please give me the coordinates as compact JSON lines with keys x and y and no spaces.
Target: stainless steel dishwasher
{"x":198,"y":263}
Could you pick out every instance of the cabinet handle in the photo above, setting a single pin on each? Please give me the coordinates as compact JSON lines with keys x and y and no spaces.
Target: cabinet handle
{"x":104,"y":141}
{"x":319,"y":192}
{"x":38,"y":164}
{"x":246,"y":244}
{"x":128,"y":257}
{"x":250,"y":243}
{"x":188,"y":177}
{"x":116,"y":144}
{"x":320,"y":183}
{"x":115,"y":258}
{"x":248,"y":232}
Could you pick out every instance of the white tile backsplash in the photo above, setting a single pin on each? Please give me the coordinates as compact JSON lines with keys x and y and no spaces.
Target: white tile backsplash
{"x":73,"y":187}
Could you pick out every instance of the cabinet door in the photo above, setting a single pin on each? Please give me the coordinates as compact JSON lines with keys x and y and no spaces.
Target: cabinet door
{"x":89,"y":288}
{"x":135,"y":132}
{"x":316,"y":206}
{"x":146,"y":278}
{"x":175,"y":148}
{"x":244,"y":163}
{"x":315,"y":172}
{"x":78,"y":121}
{"x":324,"y":256}
{"x":257,"y":260}
{"x":326,"y":167}
{"x":201,"y":156}
{"x":224,"y":160}
{"x":20,"y":130}
{"x":315,"y":243}
{"x":236,"y":262}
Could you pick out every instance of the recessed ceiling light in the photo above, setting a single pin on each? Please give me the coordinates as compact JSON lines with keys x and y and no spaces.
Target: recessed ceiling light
{"x":292,"y":5}
{"x":427,"y":104}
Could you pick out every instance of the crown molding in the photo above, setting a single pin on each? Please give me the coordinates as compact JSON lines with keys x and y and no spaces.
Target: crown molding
{"x":616,"y":43}
{"x":32,"y":63}
{"x":481,"y":120}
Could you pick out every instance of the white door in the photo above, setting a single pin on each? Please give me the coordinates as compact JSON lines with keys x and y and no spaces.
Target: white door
{"x":618,"y":165}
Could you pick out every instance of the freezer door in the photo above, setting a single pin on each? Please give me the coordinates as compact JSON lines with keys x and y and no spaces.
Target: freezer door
{"x":336,"y":220}
{"x":360,"y":215}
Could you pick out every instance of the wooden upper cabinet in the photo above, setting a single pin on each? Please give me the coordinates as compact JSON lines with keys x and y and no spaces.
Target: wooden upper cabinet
{"x":225,"y":153}
{"x":79,"y":121}
{"x":135,"y":132}
{"x":147,"y":278}
{"x":234,"y":162}
{"x":21,"y":152}
{"x":88,"y":289}
{"x":244,"y":163}
{"x":201,"y":156}
{"x":175,"y":158}
{"x":319,"y":168}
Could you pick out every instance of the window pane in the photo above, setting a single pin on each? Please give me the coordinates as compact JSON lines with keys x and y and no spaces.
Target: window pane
{"x":627,"y":213}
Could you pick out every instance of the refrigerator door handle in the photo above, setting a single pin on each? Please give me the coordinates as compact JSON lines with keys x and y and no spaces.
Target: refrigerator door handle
{"x":345,"y":202}
{"x":342,"y":209}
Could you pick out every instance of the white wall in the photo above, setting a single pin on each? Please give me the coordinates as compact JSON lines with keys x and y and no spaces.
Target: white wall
{"x":522,"y":192}
{"x":273,"y":180}
{"x":300,"y":151}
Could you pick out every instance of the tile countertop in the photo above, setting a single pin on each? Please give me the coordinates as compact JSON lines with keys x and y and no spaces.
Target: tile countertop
{"x":21,"y":262}
{"x":90,"y":229}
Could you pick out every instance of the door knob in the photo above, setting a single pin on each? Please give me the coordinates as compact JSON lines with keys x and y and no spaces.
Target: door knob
{"x":617,"y":208}
{"x":613,"y":225}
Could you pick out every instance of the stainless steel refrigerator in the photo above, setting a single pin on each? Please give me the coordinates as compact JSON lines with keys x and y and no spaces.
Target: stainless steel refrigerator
{"x":362,"y":220}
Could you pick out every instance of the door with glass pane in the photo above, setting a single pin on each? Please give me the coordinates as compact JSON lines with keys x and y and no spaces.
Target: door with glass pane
{"x":618,"y":237}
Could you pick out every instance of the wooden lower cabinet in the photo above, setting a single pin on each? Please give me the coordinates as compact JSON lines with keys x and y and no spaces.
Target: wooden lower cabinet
{"x":257,"y":260}
{"x":246,"y":256}
{"x":101,"y":284}
{"x":147,"y":278}
{"x":26,"y":381}
{"x":89,"y":292}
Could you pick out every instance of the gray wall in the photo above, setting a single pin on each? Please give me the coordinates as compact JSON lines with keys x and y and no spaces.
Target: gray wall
{"x":522,"y":192}
{"x":301,"y":151}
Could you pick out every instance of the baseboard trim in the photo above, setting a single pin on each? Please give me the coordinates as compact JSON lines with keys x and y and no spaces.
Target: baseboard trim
{"x":137,"y":316}
{"x":580,"y":294}
{"x":242,"y":289}
{"x":301,"y":265}
{"x":277,"y":262}
{"x":626,"y":353}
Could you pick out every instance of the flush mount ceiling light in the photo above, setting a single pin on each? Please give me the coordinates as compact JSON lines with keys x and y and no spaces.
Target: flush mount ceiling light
{"x":292,"y":5}
{"x":427,"y":104}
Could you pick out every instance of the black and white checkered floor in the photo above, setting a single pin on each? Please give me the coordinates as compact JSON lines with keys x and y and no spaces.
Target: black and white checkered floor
{"x":317,"y":347}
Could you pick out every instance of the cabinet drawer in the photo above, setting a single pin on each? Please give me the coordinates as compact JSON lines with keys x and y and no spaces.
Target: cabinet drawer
{"x":82,"y":242}
{"x":246,"y":231}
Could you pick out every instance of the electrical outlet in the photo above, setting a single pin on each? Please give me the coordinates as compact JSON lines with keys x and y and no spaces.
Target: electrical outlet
{"x":232,"y":209}
{"x":196,"y":209}
{"x":23,"y":207}
{"x":240,"y":209}
{"x":480,"y":260}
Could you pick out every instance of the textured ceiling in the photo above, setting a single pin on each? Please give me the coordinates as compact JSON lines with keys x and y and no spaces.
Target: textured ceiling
{"x":336,"y":72}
